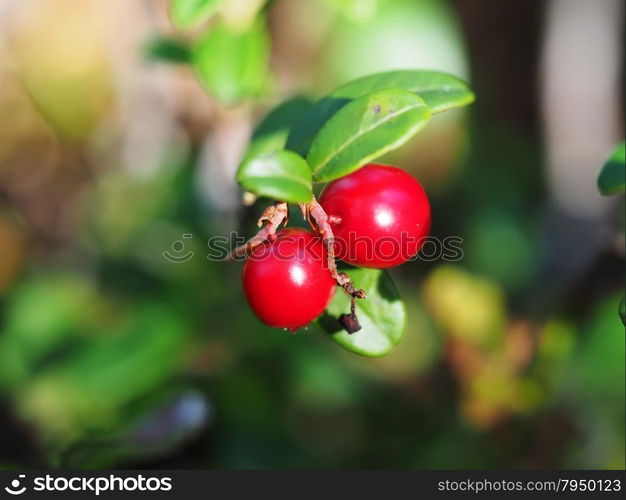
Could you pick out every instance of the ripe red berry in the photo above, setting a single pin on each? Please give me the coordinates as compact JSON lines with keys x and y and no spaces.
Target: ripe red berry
{"x":286,"y":281}
{"x":381,"y":216}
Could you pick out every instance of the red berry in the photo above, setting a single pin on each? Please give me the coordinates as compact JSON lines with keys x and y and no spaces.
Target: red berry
{"x":287,"y":282}
{"x":381,"y":216}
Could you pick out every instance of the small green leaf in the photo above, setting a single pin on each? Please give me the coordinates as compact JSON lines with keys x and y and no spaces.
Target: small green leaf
{"x":232,"y":65}
{"x":188,"y":13}
{"x":382,"y":315}
{"x":440,"y":91}
{"x":281,"y":175}
{"x":271,"y":133}
{"x":622,"y":310}
{"x":365,"y":129}
{"x":612,"y":179}
{"x":167,"y":49}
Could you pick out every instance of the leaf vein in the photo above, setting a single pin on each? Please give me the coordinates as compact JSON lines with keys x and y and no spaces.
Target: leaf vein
{"x":365,"y":131}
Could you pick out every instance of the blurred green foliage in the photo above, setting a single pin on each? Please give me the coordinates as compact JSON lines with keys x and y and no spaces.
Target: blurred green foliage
{"x":613,"y":174}
{"x":167,"y":49}
{"x":111,"y":355}
{"x":232,"y":64}
{"x":186,"y":13}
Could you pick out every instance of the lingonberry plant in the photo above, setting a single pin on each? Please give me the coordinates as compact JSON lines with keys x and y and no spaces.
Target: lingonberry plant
{"x":372,"y":216}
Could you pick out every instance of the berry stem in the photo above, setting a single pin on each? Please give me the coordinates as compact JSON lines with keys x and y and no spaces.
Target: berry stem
{"x":320,"y":222}
{"x":269,"y":222}
{"x":277,"y":214}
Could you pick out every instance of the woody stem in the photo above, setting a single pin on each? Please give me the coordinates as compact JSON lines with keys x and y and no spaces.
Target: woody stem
{"x":269,"y":222}
{"x":320,"y":222}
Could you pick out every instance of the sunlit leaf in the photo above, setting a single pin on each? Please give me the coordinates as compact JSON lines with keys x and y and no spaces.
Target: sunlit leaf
{"x":365,"y":129}
{"x":440,"y":92}
{"x":382,"y":315}
{"x":281,"y":175}
{"x":271,"y":133}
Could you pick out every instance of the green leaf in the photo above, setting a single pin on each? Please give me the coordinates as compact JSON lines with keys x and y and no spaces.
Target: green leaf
{"x":612,"y":178}
{"x":622,"y":310}
{"x":167,"y":49}
{"x":281,"y":175}
{"x":382,"y":315}
{"x":232,"y":65}
{"x":187,"y":13}
{"x":271,"y":133}
{"x":365,"y":129}
{"x":440,"y":92}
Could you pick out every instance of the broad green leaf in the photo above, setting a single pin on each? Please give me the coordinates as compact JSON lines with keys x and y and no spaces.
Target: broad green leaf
{"x":167,"y":49}
{"x":382,"y":314}
{"x":440,"y":92}
{"x":281,"y":175}
{"x":271,"y":133}
{"x":365,"y":129}
{"x":187,"y":13}
{"x":232,"y":65}
{"x":612,"y":179}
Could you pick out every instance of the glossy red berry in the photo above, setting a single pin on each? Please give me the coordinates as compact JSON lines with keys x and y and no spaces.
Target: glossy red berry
{"x":287,"y":282}
{"x":380,"y":216}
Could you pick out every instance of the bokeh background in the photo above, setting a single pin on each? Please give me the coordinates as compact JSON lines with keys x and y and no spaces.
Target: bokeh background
{"x":113,"y":356}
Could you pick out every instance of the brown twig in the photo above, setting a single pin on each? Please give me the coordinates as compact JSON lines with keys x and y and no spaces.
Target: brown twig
{"x":278,"y":214}
{"x":269,"y":222}
{"x":320,"y":222}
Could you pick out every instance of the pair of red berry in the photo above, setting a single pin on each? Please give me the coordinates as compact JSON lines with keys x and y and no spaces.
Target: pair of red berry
{"x":379,"y":216}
